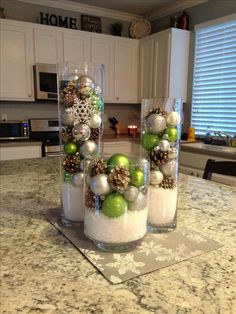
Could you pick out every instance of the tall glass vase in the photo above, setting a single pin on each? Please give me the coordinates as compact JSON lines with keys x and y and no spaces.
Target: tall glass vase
{"x":80,"y":112}
{"x":161,"y":129}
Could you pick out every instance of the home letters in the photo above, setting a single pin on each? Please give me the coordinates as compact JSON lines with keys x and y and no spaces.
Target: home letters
{"x":58,"y":20}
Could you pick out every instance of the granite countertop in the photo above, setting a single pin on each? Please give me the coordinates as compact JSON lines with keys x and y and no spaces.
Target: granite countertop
{"x":19,"y":143}
{"x":43,"y":273}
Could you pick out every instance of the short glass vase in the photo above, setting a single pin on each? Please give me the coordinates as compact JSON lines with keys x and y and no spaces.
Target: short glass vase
{"x":80,"y":110}
{"x":161,"y":129}
{"x":116,"y":203}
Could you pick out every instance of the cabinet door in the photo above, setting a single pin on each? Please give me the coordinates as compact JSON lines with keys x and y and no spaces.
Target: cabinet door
{"x":102,"y":51}
{"x":48,"y":46}
{"x":146,"y":68}
{"x":76,"y":47}
{"x":161,"y":65}
{"x":126,"y":70}
{"x":16,"y":61}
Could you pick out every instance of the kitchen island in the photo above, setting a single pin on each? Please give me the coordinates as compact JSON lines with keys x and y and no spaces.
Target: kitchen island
{"x":42,"y":272}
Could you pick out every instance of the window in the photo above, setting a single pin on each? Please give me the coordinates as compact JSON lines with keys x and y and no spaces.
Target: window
{"x":214,"y":79}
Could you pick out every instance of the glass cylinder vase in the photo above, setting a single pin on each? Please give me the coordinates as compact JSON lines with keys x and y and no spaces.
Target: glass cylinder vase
{"x":81,"y":106}
{"x":116,"y":202}
{"x":161,"y":129}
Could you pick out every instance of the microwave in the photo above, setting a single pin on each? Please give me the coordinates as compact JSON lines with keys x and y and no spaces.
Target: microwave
{"x":45,"y":81}
{"x":14,"y":130}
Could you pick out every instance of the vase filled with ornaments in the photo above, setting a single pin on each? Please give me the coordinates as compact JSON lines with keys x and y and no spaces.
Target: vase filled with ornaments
{"x":116,"y":204}
{"x":161,"y":130}
{"x":81,"y":106}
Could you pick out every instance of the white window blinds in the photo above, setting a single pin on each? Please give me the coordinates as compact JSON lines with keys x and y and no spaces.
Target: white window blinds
{"x":214,"y":80}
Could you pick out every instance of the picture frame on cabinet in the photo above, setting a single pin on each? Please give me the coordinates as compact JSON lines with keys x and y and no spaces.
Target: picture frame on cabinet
{"x":91,"y":23}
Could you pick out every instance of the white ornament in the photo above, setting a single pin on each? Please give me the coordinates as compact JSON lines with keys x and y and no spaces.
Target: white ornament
{"x":169,"y":168}
{"x":156,"y":123}
{"x":89,"y":148}
{"x":67,"y":118}
{"x":95,"y":121}
{"x":173,"y":118}
{"x":164,"y":145}
{"x":78,"y":179}
{"x":84,"y":164}
{"x":140,"y":202}
{"x":156,"y":177}
{"x":131,"y":193}
{"x":99,"y":184}
{"x":97,"y":89}
{"x":172,"y":153}
{"x":81,"y":132}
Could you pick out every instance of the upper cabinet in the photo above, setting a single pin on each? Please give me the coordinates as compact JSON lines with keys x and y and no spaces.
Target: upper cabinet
{"x":76,"y":46}
{"x":164,"y":64}
{"x":16,"y":61}
{"x":47,"y":45}
{"x":126,"y":70}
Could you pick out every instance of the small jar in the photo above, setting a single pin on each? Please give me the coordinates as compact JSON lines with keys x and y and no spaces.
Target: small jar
{"x":161,"y":129}
{"x":81,"y":125}
{"x":116,"y":204}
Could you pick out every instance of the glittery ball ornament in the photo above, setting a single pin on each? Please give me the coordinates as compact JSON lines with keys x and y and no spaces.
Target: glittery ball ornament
{"x":156,"y":177}
{"x":172,"y":133}
{"x":164,"y":145}
{"x":78,"y":178}
{"x":155,"y":123}
{"x":140,"y":202}
{"x":70,"y":148}
{"x":89,"y":148}
{"x":119,"y":178}
{"x":131,"y":193}
{"x":137,"y":177}
{"x":118,"y":160}
{"x":95,"y":122}
{"x":99,"y":184}
{"x":81,"y":132}
{"x":71,"y":164}
{"x":114,"y":205}
{"x":149,"y":141}
{"x":68,"y":177}
{"x":85,"y":84}
{"x":169,"y":168}
{"x":173,"y":118}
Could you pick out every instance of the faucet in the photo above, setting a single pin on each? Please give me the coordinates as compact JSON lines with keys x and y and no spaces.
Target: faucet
{"x":223,"y":136}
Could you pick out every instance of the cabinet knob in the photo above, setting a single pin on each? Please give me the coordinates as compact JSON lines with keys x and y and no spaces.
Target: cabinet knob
{"x":29,"y":95}
{"x":117,"y":98}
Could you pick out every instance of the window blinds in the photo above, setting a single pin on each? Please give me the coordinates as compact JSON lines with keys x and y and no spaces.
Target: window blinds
{"x":214,"y":80}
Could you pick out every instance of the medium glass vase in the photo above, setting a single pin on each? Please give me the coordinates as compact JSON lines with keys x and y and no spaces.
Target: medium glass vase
{"x":81,"y":106}
{"x":116,"y":202}
{"x":161,"y":129}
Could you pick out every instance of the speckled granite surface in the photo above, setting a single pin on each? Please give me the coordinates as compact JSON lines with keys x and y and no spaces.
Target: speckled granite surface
{"x":41,"y":272}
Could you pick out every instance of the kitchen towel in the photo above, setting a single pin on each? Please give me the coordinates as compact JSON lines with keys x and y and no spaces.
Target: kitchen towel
{"x":155,"y":251}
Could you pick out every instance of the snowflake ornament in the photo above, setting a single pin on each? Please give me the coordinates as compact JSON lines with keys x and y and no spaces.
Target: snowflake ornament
{"x":82,"y":110}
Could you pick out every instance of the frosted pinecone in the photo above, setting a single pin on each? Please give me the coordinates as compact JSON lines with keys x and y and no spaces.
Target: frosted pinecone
{"x":158,"y":110}
{"x":158,"y":158}
{"x":168,"y":183}
{"x":71,"y":164}
{"x":119,"y":178}
{"x":97,"y":166}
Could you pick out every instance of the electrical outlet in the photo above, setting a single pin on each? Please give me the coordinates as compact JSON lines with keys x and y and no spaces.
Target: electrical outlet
{"x":3,"y":116}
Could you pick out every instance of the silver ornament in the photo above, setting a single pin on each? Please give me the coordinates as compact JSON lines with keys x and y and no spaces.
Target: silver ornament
{"x":140,"y":202}
{"x":81,"y":132}
{"x":172,"y":153}
{"x":89,"y":148}
{"x":99,"y":184}
{"x":85,"y":81}
{"x":78,"y":179}
{"x":67,"y":118}
{"x":142,"y":162}
{"x":165,"y":136}
{"x":131,"y":193}
{"x":173,"y":118}
{"x":96,"y":121}
{"x":84,"y":163}
{"x":156,"y":123}
{"x":169,"y":168}
{"x":97,"y":89}
{"x":164,"y":145}
{"x":156,"y":177}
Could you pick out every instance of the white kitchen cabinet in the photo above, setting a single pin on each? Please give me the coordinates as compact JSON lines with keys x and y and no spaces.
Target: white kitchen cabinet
{"x":102,"y":51}
{"x":164,"y":64}
{"x":126,"y":70}
{"x":194,"y":164}
{"x":16,"y":61}
{"x":48,"y":45}
{"x":76,"y":46}
{"x":117,"y":147}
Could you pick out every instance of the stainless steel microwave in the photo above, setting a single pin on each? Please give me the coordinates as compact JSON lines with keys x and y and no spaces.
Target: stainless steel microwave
{"x":14,"y":130}
{"x":45,"y":81}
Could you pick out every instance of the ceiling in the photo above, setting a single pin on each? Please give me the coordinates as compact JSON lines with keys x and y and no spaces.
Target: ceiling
{"x":139,"y":7}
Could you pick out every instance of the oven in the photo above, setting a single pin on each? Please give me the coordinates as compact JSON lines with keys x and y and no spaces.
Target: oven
{"x":46,"y":131}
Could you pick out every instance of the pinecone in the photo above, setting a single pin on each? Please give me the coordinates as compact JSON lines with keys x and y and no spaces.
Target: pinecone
{"x":157,"y":158}
{"x":95,"y":134}
{"x":69,"y":94}
{"x":90,"y":198}
{"x":167,"y":183}
{"x":66,"y":134}
{"x":157,"y":110}
{"x":119,"y":178}
{"x":71,"y":164}
{"x":97,"y":166}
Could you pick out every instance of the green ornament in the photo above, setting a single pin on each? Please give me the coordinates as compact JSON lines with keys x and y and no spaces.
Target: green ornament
{"x":137,"y":178}
{"x":97,"y":101}
{"x":172,"y":133}
{"x":149,"y":141}
{"x":118,"y":160}
{"x":68,"y":177}
{"x":70,"y":148}
{"x":114,"y":205}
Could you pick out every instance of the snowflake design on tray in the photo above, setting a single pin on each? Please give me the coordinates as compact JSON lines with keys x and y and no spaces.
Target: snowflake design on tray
{"x":82,"y":110}
{"x":157,"y":249}
{"x":93,"y":257}
{"x":181,"y":253}
{"x":196,"y":237}
{"x":125,"y":263}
